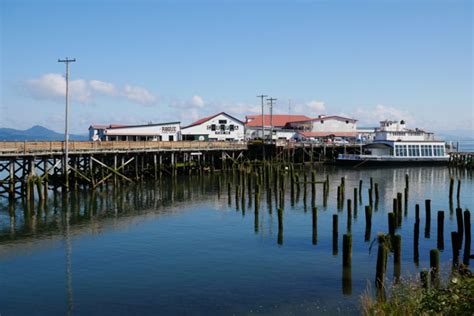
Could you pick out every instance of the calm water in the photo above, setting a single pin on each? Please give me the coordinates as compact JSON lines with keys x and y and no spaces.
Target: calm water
{"x":181,"y":249}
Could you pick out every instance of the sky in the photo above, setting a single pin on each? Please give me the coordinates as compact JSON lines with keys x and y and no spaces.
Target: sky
{"x":158,"y":61}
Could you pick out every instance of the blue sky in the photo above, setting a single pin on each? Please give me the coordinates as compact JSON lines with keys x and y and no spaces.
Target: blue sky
{"x":143,"y":61}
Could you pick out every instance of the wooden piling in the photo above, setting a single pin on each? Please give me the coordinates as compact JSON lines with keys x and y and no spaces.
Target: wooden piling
{"x":346,"y":250}
{"x":397,"y":254}
{"x":229,"y":194}
{"x":459,"y":220}
{"x":451,"y":188}
{"x":280,"y":227}
{"x":368,"y":222}
{"x":416,"y":237}
{"x":434,"y":265}
{"x":315,"y":225}
{"x":376,"y":186}
{"x":381,"y":262}
{"x":355,"y":202}
{"x":391,"y":223}
{"x":360,"y":191}
{"x":334,"y":235}
{"x":440,"y":235}
{"x":458,"y":193}
{"x":349,"y":215}
{"x":455,"y":247}
{"x":427,"y":218}
{"x":424,"y":279}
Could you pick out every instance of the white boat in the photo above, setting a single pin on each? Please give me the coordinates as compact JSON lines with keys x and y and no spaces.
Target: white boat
{"x":394,"y":143}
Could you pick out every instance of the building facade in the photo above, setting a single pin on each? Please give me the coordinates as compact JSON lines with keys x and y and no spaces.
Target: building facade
{"x":326,"y":126}
{"x":218,"y":127}
{"x":150,"y":132}
{"x":272,"y":123}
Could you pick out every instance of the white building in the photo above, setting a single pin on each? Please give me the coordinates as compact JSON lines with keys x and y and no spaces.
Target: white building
{"x":326,"y":126}
{"x":218,"y":127}
{"x":150,"y":132}
{"x":397,"y":131}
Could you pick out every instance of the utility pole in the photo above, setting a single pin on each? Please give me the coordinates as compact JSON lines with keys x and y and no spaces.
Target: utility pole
{"x":66,"y":133}
{"x":271,"y":118}
{"x":263,"y":126}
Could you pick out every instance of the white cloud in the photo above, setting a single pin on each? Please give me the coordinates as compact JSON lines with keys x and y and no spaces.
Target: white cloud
{"x":103,"y":87}
{"x":316,"y":106}
{"x":383,"y":112}
{"x":53,"y":87}
{"x":139,"y":94}
{"x":197,"y":101}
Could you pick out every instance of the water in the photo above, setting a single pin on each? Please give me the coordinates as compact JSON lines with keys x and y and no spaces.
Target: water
{"x":183,"y":250}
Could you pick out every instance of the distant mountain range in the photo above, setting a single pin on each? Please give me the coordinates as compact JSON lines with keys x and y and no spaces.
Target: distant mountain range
{"x":36,"y":133}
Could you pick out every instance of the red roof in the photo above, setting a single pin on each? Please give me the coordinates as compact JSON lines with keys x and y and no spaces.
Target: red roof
{"x":324,"y":134}
{"x":207,"y":118}
{"x":329,"y":117}
{"x":279,"y":120}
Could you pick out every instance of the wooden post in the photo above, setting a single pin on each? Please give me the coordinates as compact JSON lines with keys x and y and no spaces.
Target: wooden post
{"x":424,"y":279}
{"x":455,"y":247}
{"x":460,"y":223}
{"x":458,"y":193}
{"x":427,"y":218}
{"x":391,"y":223}
{"x":349,"y":215}
{"x":397,"y":254}
{"x":440,"y":239}
{"x":416,"y":237}
{"x":376,"y":194}
{"x":355,"y":202}
{"x":381,"y":262}
{"x":360,"y":191}
{"x":368,"y":222}
{"x":346,"y":250}
{"x":434,"y":265}
{"x":451,"y":188}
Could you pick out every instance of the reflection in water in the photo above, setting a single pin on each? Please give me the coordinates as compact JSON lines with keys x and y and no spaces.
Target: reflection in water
{"x":83,"y":212}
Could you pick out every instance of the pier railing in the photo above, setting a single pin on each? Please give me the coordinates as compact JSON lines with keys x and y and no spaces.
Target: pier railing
{"x":77,"y":147}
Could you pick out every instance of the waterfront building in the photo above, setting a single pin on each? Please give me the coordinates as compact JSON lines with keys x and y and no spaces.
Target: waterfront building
{"x":170,"y":131}
{"x":325,"y":127}
{"x":275,"y":122}
{"x":217,"y":127}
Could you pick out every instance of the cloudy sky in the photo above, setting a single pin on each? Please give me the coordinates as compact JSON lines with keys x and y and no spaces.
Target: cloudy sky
{"x":154,"y":61}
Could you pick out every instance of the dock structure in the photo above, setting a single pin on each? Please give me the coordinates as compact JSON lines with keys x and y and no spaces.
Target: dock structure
{"x":24,"y":165}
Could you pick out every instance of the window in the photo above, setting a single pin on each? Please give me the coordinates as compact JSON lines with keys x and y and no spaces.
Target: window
{"x":426,"y":150}
{"x":322,"y":122}
{"x":222,"y":121}
{"x":231,"y":127}
{"x":222,"y":127}
{"x":171,"y":138}
{"x":347,"y":122}
{"x":401,"y":150}
{"x":213,"y":127}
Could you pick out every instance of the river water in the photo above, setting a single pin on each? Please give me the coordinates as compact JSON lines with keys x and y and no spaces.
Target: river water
{"x":180,"y":248}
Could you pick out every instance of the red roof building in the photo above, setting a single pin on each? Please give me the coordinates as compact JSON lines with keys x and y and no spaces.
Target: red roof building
{"x":277,"y":120}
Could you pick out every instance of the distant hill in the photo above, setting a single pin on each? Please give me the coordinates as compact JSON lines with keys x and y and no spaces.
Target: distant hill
{"x":36,"y":133}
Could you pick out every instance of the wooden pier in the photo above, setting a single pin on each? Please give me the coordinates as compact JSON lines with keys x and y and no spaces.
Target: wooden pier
{"x":24,"y":165}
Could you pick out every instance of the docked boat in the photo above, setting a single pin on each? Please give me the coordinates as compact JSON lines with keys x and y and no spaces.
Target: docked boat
{"x":394,"y":143}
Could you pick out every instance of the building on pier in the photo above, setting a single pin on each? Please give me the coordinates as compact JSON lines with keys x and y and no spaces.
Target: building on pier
{"x":324,"y":127}
{"x":275,"y":123}
{"x":217,"y":127}
{"x":170,"y":131}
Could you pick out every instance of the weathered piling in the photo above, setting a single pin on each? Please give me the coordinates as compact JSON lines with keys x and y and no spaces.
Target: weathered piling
{"x":406,"y":202}
{"x":280,"y":227}
{"x":391,"y":223}
{"x":360,"y":191}
{"x":397,"y":254}
{"x":237,"y":196}
{"x":434,"y":265}
{"x":416,"y":237}
{"x":440,"y":236}
{"x":381,"y":261}
{"x":427,"y":218}
{"x":417,"y":212}
{"x":355,"y":202}
{"x":467,"y":242}
{"x":407,"y":181}
{"x":455,"y":248}
{"x":334,"y":234}
{"x":399,"y":207}
{"x":368,"y":222}
{"x":315,"y":225}
{"x":458,"y":193}
{"x":451,"y":189}
{"x":370,"y":196}
{"x":347,"y":281}
{"x":313,"y":188}
{"x":459,"y":220}
{"x":346,"y":250}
